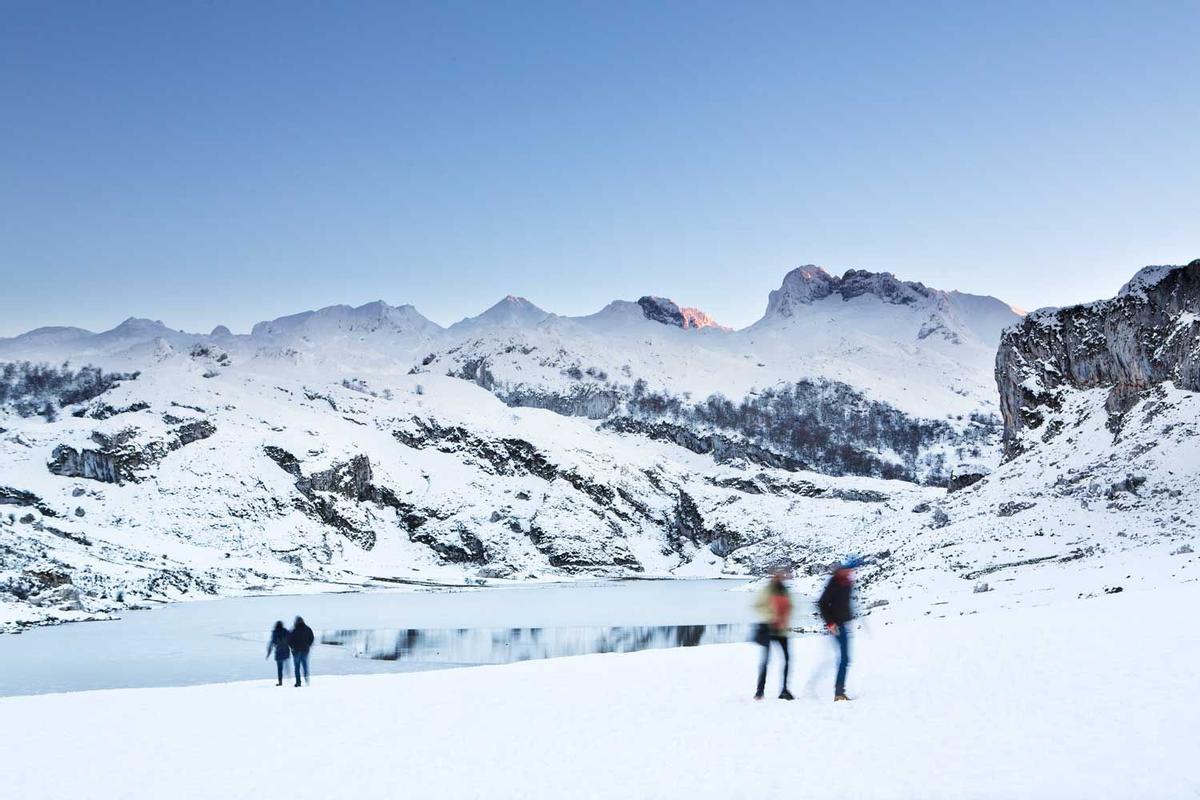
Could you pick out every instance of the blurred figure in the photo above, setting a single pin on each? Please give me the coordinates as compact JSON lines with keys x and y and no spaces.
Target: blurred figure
{"x":837,"y":611}
{"x":774,"y":606}
{"x":300,"y":640}
{"x":279,"y":644}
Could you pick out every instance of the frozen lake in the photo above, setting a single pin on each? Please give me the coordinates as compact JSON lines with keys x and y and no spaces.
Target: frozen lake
{"x":213,"y":641}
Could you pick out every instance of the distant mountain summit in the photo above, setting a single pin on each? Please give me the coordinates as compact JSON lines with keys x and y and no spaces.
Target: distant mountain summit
{"x":667,"y":312}
{"x":341,"y":320}
{"x":511,"y":312}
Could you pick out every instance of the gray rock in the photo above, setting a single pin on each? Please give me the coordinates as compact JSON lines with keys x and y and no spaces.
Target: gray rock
{"x":1182,"y":550}
{"x":981,"y":587}
{"x":966,"y":475}
{"x":1014,"y":507}
{"x":667,"y":312}
{"x":1128,"y":344}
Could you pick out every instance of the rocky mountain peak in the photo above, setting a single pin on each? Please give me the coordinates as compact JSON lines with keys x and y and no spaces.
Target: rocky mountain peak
{"x":668,"y":312}
{"x":806,"y":285}
{"x":801,"y":287}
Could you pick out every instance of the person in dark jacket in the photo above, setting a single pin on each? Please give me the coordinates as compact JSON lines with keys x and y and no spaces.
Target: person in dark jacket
{"x":837,"y":611}
{"x":300,"y":641}
{"x":774,"y":606}
{"x":279,"y":644}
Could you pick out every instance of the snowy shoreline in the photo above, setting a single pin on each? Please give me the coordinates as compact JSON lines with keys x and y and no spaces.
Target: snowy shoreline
{"x":1034,"y":702}
{"x":15,"y":618}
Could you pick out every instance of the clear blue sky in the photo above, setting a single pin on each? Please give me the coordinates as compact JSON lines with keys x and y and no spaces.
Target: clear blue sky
{"x":224,"y":162}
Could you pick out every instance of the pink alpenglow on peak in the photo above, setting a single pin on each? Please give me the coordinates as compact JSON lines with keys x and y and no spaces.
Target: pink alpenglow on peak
{"x":668,"y":312}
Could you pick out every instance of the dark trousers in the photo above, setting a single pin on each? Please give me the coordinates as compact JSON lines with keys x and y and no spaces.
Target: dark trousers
{"x":843,"y":640}
{"x":279,"y":662}
{"x":766,"y":657}
{"x":300,"y":661}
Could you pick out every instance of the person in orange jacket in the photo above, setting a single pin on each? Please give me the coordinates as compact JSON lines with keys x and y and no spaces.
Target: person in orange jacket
{"x":774,"y":606}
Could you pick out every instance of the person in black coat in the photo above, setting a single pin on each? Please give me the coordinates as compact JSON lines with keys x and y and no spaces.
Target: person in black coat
{"x":300,"y":640}
{"x":837,"y":610}
{"x":279,"y":644}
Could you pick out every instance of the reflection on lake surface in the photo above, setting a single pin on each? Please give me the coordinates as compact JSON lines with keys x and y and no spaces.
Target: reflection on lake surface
{"x":506,"y":645}
{"x":213,"y":641}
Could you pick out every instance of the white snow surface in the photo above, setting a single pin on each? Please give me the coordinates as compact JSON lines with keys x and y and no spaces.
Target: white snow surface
{"x":1063,"y":699}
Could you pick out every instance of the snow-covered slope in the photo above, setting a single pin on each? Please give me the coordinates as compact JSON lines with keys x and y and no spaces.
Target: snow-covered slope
{"x":302,"y":453}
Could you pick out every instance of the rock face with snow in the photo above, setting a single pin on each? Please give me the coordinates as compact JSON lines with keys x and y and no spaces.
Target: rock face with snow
{"x":1147,"y":336}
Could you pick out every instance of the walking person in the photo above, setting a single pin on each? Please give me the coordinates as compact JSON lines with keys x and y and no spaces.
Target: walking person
{"x":279,"y":644}
{"x":300,"y":641}
{"x":774,"y":606}
{"x":837,"y":610}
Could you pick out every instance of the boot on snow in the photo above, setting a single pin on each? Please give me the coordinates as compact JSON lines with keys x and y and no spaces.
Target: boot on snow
{"x":786,"y":695}
{"x":840,"y":696}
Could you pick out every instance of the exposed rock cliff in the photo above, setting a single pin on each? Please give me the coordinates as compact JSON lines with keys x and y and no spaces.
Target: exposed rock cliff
{"x":1148,"y":335}
{"x":668,"y":312}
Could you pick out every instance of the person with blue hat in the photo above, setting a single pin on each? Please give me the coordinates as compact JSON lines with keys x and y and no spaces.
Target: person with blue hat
{"x":837,"y":610}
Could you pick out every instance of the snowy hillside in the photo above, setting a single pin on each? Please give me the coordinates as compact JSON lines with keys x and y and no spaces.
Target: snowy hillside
{"x":913,"y":363}
{"x":316,"y":452}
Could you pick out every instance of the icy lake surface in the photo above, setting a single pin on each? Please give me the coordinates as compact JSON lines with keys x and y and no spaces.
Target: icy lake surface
{"x":212,"y":641}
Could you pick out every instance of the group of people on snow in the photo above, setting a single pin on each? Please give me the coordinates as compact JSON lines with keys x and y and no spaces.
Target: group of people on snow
{"x":774,"y":606}
{"x":293,"y":644}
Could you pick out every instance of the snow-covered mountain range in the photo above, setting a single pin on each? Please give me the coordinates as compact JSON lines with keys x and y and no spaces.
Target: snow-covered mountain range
{"x":347,"y":445}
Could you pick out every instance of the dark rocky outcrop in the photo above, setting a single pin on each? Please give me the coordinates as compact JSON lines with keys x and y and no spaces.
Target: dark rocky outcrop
{"x":517,"y":457}
{"x":351,"y":480}
{"x":687,"y":524}
{"x":1147,"y":335}
{"x":963,"y":476}
{"x":503,"y":456}
{"x":458,"y":545}
{"x":668,"y":312}
{"x":95,"y":465}
{"x":585,"y":400}
{"x":721,"y":448}
{"x":19,"y":497}
{"x":105,"y":411}
{"x":121,"y":457}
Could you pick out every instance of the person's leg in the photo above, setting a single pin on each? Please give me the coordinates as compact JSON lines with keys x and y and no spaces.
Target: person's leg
{"x":843,"y":637}
{"x":296,"y":661}
{"x":783,"y":643}
{"x":762,"y":669}
{"x":279,"y":670}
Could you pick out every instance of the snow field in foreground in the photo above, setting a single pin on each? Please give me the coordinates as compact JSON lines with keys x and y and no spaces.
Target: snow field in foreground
{"x":1080,"y":699}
